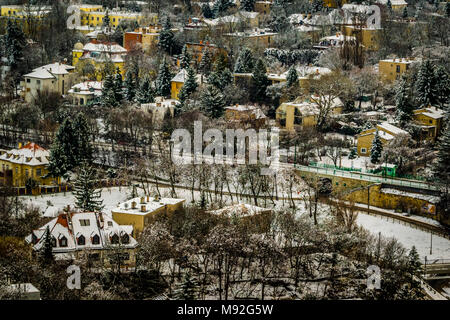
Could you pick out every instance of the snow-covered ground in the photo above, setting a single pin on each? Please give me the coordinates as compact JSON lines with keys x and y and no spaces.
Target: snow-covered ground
{"x":407,"y":236}
{"x":362,"y":163}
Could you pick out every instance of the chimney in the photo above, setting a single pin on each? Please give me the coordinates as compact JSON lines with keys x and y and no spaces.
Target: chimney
{"x":142,"y":200}
{"x":20,"y":145}
{"x":148,"y":198}
{"x":143,"y":208}
{"x":317,"y":71}
{"x":133,"y":205}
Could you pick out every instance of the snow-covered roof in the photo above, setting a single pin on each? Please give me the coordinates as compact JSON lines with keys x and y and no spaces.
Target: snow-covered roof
{"x":109,"y":47}
{"x":182,"y":75}
{"x":382,"y":134}
{"x":252,"y":33}
{"x":30,"y":154}
{"x":73,"y":225}
{"x":385,"y":126}
{"x":144,"y":205}
{"x":432,"y":112}
{"x":239,"y":210}
{"x":393,"y":2}
{"x":248,"y":108}
{"x":87,"y":88}
{"x":50,"y":70}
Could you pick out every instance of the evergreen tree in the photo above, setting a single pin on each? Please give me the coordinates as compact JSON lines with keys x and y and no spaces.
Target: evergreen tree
{"x":146,"y":94}
{"x":118,"y":86}
{"x":185,"y":58}
{"x":87,"y":198}
{"x":187,"y":290}
{"x":46,"y":252}
{"x":376,"y":149}
{"x":414,"y":264}
{"x":190,"y":84}
{"x":130,"y":86}
{"x":166,"y":37}
{"x":405,"y":13}
{"x":205,"y":62}
{"x":82,"y":144}
{"x":352,"y":154}
{"x":220,"y":7}
{"x":106,"y":20}
{"x":442,"y":85}
{"x":447,"y":9}
{"x":292,"y":77}
{"x":163,"y":80}
{"x":404,"y":109}
{"x":221,"y":76}
{"x":207,"y":12}
{"x":248,"y":5}
{"x":426,"y":85}
{"x":442,"y":167}
{"x":108,"y":97}
{"x":260,"y":82}
{"x":245,"y":61}
{"x":13,"y":44}
{"x":63,"y":150}
{"x":213,"y":102}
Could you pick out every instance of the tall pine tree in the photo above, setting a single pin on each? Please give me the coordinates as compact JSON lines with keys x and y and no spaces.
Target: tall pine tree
{"x":376,"y":149}
{"x":260,"y":82}
{"x":86,"y":195}
{"x":13,"y":44}
{"x":130,"y":86}
{"x":426,"y":84}
{"x":46,"y":252}
{"x":185,"y":58}
{"x":404,"y":109}
{"x":166,"y":41}
{"x":245,"y":61}
{"x":164,"y":79}
{"x":213,"y":102}
{"x":118,"y":86}
{"x":292,"y":77}
{"x":146,"y":94}
{"x":108,"y":98}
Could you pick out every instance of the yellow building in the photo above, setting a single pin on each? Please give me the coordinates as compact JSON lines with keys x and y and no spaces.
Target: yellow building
{"x":93,"y":15}
{"x":263,"y":7}
{"x":140,"y":212}
{"x":26,"y":167}
{"x":387,"y":132}
{"x":146,"y":37}
{"x":293,"y":115}
{"x":257,"y":37}
{"x":100,"y":53}
{"x":51,"y":78}
{"x":177,"y":83}
{"x":368,"y":37}
{"x":397,"y":5}
{"x":430,"y":120}
{"x":93,"y":236}
{"x":333,"y":3}
{"x":392,"y":69}
{"x":83,"y":92}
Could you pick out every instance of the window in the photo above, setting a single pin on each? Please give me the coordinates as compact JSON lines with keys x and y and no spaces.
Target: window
{"x":81,"y":241}
{"x":53,"y":242}
{"x":398,"y":69}
{"x":114,"y":19}
{"x":38,"y":172}
{"x":110,"y":224}
{"x":96,"y":239}
{"x":363,"y":150}
{"x":81,"y":101}
{"x":431,"y":121}
{"x":63,"y":242}
{"x":26,"y":173}
{"x":85,"y":222}
{"x":97,"y":19}
{"x":115,"y":239}
{"x":28,"y":80}
{"x":125,"y":238}
{"x":38,"y":82}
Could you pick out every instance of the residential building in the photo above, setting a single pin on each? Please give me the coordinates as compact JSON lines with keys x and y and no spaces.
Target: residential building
{"x":99,"y":53}
{"x":51,"y":78}
{"x":92,"y":235}
{"x":256,"y":36}
{"x":263,"y":7}
{"x":245,"y":114}
{"x":291,"y":115}
{"x":141,"y":211}
{"x":431,"y":121}
{"x":93,"y":15}
{"x":397,"y":5}
{"x":177,"y":82}
{"x":387,"y":132}
{"x":334,"y":3}
{"x":144,"y":38}
{"x":161,"y":109}
{"x":392,"y":69}
{"x":84,"y":92}
{"x":198,"y":49}
{"x":26,"y":166}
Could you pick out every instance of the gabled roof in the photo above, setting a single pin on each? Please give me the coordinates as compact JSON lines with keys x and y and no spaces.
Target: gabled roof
{"x":30,"y":154}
